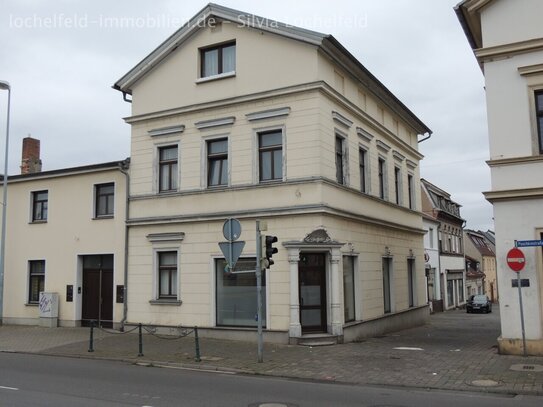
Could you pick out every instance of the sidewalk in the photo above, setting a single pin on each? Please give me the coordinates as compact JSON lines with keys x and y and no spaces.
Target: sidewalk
{"x":455,"y":351}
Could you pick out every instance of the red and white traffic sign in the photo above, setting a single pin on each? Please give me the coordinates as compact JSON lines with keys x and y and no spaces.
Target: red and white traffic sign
{"x":515,"y":259}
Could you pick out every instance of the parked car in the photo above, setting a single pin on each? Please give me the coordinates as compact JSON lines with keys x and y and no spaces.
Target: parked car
{"x":478,"y":303}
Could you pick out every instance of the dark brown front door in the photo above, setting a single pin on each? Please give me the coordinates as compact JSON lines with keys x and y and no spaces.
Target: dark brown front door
{"x":97,"y":301}
{"x":312,"y":286}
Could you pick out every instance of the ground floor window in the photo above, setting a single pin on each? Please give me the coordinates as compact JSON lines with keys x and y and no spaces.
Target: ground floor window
{"x":236,"y":294}
{"x":167,"y":275}
{"x":387,"y":281}
{"x":450,"y":293}
{"x":411,"y":282}
{"x":36,"y":280}
{"x":348,"y":288}
{"x":461,"y":290}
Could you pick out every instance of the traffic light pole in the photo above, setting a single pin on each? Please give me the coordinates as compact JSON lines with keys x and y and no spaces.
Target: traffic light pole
{"x":258,"y":272}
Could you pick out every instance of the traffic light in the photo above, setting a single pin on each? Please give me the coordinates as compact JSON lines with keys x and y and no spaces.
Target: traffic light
{"x":270,"y":250}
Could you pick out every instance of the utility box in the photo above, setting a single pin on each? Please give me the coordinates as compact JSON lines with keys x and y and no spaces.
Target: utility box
{"x":49,"y":309}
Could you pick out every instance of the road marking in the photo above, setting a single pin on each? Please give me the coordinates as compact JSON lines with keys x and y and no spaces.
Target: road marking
{"x":195,"y":369}
{"x":9,"y":388}
{"x":407,"y":348}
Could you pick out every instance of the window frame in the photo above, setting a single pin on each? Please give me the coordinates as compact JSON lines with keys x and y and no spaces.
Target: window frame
{"x":211,"y":157}
{"x":98,"y":195}
{"x":341,"y":156}
{"x":353,"y":263}
{"x":538,"y":115}
{"x":158,"y":271}
{"x":173,"y":186}
{"x":220,"y":65}
{"x":276,"y":147}
{"x":364,"y":169}
{"x":382,"y":177}
{"x":388,"y":285}
{"x":42,"y":203}
{"x":398,"y":185}
{"x":40,"y":276}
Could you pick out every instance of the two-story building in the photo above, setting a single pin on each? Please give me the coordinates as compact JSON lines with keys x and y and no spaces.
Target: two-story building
{"x":65,"y":235}
{"x":438,"y":205}
{"x":507,"y":39}
{"x":239,"y":116}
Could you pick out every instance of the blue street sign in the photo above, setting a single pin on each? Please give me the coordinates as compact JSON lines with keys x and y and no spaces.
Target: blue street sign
{"x":528,"y":243}
{"x":231,"y":229}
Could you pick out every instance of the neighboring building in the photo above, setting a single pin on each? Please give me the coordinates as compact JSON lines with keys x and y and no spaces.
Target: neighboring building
{"x":481,"y":251}
{"x":475,"y":278}
{"x":507,"y":39}
{"x":65,"y":235}
{"x":438,"y":205}
{"x":239,"y":116}
{"x":432,"y":265}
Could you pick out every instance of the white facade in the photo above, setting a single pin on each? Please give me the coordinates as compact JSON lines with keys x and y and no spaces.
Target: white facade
{"x":433,"y":269}
{"x":507,"y":37}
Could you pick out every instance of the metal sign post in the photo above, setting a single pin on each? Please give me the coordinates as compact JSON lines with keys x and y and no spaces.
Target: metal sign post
{"x":258,"y":271}
{"x":516,"y":261}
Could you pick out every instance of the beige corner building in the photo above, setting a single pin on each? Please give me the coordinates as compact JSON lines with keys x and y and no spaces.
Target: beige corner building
{"x":507,"y":39}
{"x":239,"y":116}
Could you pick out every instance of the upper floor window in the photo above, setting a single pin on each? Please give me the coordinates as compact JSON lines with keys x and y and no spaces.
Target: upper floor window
{"x":36,"y":280}
{"x":410,"y":190}
{"x":167,"y":163}
{"x":39,"y":206}
{"x":539,"y":116}
{"x":105,"y":199}
{"x":270,"y":155}
{"x":218,"y":59}
{"x":382,"y":177}
{"x":363,"y":158}
{"x":340,"y":160}
{"x":398,"y":185}
{"x":217,"y":162}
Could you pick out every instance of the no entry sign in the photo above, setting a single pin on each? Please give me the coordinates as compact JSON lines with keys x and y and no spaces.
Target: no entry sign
{"x":515,"y":259}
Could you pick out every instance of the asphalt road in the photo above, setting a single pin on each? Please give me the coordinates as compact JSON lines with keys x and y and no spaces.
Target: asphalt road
{"x":32,"y":380}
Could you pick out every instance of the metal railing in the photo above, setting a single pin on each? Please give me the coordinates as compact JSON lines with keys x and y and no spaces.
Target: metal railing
{"x":151,"y":330}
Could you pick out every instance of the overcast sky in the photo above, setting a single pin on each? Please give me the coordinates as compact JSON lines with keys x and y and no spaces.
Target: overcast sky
{"x":62,"y":57}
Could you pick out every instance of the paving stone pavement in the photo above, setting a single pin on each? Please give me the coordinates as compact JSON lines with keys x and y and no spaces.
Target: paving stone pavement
{"x":451,"y":352}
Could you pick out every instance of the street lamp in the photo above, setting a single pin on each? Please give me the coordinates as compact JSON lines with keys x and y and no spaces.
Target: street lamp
{"x":4,"y":85}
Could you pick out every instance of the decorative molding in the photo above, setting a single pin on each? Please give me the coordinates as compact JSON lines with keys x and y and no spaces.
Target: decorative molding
{"x":318,"y":236}
{"x":514,"y":194}
{"x":515,"y":160}
{"x":530,"y":70}
{"x":166,"y":237}
{"x":383,"y":146}
{"x":268,"y":114}
{"x":411,"y":164}
{"x":506,"y":50}
{"x":205,"y":124}
{"x":364,"y":134}
{"x":166,"y":302}
{"x":166,"y":131}
{"x":341,"y":119}
{"x":397,"y":155}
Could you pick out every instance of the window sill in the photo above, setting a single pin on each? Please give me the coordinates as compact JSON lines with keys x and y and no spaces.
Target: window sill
{"x":166,"y":302}
{"x":32,"y":304}
{"x":215,"y":77}
{"x":103,"y":217}
{"x":271,"y":181}
{"x":34,"y":222}
{"x":168,"y":192}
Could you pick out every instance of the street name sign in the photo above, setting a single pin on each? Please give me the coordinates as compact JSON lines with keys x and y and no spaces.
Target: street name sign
{"x":528,"y":243}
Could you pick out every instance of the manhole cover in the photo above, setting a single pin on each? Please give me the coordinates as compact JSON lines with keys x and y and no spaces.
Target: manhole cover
{"x":527,"y":368}
{"x":484,"y":383}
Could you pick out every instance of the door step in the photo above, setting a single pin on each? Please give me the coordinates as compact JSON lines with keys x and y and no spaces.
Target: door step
{"x":318,"y":340}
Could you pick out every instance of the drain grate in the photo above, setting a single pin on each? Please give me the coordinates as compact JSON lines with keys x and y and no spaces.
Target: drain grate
{"x":527,"y":368}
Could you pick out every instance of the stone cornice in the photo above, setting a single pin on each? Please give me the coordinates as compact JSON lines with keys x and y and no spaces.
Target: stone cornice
{"x":507,"y":50}
{"x":515,"y":160}
{"x":513,"y":194}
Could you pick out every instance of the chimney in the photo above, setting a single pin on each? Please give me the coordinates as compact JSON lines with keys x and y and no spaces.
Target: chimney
{"x":30,"y":162}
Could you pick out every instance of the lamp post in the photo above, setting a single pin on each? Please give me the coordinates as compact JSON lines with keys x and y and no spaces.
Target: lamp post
{"x":4,"y":85}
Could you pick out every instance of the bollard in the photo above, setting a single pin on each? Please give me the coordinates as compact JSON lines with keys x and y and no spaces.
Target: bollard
{"x":91,"y":339}
{"x":140,"y":341}
{"x":197,"y":345}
